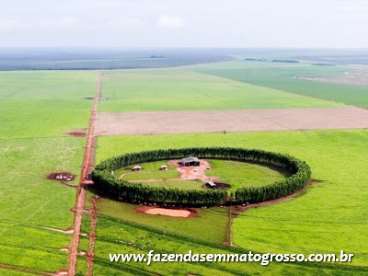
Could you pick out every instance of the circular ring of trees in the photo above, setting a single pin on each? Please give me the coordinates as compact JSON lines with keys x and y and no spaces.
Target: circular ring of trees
{"x":106,"y":183}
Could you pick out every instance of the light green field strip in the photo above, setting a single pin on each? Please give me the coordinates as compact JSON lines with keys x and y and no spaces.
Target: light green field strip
{"x":163,"y":90}
{"x":29,"y":202}
{"x":39,"y":103}
{"x":289,"y":78}
{"x":329,"y":217}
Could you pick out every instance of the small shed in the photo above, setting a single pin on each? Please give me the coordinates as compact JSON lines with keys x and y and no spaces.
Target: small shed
{"x":137,"y":168}
{"x":210,"y":184}
{"x":190,"y":161}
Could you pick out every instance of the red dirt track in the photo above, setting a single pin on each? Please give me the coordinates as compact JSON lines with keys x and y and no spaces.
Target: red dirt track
{"x":84,"y":180}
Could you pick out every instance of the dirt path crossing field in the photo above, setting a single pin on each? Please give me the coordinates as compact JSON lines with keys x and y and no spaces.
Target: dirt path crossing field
{"x":84,"y":180}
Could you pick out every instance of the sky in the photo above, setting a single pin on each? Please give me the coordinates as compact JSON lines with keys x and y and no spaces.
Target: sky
{"x":185,"y":23}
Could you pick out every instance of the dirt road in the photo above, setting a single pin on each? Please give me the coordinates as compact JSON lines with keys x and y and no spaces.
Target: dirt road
{"x":84,"y":180}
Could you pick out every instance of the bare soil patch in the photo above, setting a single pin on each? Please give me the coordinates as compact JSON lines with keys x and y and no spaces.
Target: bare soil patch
{"x":61,"y":273}
{"x":170,"y":212}
{"x":77,"y":133}
{"x":199,"y":173}
{"x":147,"y":123}
{"x":193,"y":173}
{"x":61,"y":176}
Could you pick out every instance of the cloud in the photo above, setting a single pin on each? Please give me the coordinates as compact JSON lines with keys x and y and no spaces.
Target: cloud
{"x":261,"y":23}
{"x":170,"y":22}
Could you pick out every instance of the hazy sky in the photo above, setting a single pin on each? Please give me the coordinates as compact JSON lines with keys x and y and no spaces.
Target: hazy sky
{"x":185,"y":23}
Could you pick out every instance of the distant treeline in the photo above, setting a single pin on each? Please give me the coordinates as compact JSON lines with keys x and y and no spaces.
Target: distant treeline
{"x":256,"y":59}
{"x":108,"y":184}
{"x":273,"y":60}
{"x":285,"y":61}
{"x":104,"y":59}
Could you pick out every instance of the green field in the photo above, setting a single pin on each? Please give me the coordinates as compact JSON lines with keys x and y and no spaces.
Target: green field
{"x":285,"y":77}
{"x":216,"y":217}
{"x":328,"y":217}
{"x":175,"y":89}
{"x":30,"y":204}
{"x":236,"y":174}
{"x":38,"y":108}
{"x":44,"y":104}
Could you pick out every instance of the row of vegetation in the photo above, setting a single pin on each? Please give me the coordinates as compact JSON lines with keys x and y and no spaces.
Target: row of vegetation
{"x":108,"y":184}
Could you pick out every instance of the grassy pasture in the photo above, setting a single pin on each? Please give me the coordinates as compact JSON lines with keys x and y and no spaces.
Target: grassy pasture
{"x":151,"y":175}
{"x":240,"y":174}
{"x":328,"y":217}
{"x":286,"y":77}
{"x":179,"y":89}
{"x":237,"y":174}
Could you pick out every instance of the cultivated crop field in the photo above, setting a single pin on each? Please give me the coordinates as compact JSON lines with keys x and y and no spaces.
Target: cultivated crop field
{"x":40,"y":109}
{"x":37,"y":111}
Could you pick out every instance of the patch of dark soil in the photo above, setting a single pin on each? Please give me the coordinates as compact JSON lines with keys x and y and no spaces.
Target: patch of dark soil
{"x":221,"y":185}
{"x":317,"y":180}
{"x":237,"y":210}
{"x":61,"y":176}
{"x":77,"y":133}
{"x":101,"y":98}
{"x":218,"y":186}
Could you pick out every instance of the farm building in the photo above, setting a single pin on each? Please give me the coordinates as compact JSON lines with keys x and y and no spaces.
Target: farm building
{"x":189,"y":161}
{"x":137,"y":168}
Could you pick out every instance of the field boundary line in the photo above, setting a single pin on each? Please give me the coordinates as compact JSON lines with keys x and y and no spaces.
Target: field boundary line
{"x":92,"y":236}
{"x":24,"y":269}
{"x":228,"y":233}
